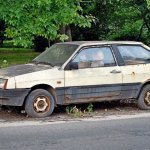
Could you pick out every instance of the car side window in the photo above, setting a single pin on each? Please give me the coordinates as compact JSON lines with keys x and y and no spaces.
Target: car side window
{"x":94,"y":57}
{"x":133,"y":55}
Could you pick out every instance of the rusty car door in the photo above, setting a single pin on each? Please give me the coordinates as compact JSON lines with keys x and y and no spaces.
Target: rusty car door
{"x":97,"y":83}
{"x":135,"y":69}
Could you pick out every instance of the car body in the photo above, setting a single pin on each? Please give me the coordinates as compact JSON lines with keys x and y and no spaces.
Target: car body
{"x":79,"y":72}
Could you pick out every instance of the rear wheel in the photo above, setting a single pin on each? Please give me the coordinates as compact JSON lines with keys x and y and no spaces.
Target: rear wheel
{"x":144,"y":98}
{"x":39,"y":103}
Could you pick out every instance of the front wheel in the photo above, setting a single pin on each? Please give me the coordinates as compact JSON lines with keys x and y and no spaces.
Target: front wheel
{"x":144,"y":98}
{"x":39,"y":103}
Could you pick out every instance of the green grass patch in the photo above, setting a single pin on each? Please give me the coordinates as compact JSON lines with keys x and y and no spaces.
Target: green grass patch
{"x":13,"y":56}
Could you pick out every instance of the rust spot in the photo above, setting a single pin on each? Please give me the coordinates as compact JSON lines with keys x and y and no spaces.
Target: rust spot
{"x":58,"y":82}
{"x":133,"y":73}
{"x":69,"y":100}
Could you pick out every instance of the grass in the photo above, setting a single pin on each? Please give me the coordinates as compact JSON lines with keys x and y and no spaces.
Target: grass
{"x":14,"y":49}
{"x":15,"y":56}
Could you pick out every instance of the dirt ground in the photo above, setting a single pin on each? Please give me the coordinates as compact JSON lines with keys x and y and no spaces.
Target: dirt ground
{"x":11,"y":114}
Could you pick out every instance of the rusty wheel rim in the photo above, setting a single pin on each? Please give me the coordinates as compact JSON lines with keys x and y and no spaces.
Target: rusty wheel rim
{"x":41,"y":104}
{"x":147,"y":98}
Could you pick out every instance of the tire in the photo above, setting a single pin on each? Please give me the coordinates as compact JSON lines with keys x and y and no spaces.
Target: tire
{"x":144,"y":98}
{"x":39,"y":103}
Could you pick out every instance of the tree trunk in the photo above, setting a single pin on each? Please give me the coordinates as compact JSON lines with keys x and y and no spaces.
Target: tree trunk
{"x":49,"y":43}
{"x":68,"y":33}
{"x":64,"y":30}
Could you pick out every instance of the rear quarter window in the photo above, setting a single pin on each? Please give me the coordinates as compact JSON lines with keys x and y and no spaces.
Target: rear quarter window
{"x":134,"y":54}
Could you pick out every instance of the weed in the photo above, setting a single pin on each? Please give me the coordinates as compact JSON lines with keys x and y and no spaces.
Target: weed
{"x":68,"y":110}
{"x":74,"y":111}
{"x":77,"y":112}
{"x":4,"y":64}
{"x":90,"y":108}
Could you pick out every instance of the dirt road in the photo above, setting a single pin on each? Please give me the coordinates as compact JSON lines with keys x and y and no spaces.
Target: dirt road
{"x":10,"y":114}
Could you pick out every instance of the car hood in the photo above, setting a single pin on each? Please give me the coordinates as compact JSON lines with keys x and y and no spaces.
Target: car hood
{"x":22,"y":69}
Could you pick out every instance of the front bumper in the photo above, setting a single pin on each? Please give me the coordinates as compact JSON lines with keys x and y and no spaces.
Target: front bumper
{"x":13,"y":97}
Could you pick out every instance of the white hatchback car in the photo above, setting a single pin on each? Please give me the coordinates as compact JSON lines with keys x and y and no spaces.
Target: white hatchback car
{"x":78,"y":72}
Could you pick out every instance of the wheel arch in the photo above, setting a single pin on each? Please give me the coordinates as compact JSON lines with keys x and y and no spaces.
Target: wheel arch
{"x":142,"y":86}
{"x":46,"y":87}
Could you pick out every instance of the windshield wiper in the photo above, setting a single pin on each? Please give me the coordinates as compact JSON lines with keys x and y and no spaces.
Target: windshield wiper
{"x":45,"y":63}
{"x":41,"y":62}
{"x":34,"y":61}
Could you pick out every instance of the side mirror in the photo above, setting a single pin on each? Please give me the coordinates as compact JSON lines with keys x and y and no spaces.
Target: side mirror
{"x":73,"y":65}
{"x":78,"y":65}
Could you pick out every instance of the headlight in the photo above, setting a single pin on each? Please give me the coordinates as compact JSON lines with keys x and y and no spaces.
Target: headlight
{"x":3,"y":83}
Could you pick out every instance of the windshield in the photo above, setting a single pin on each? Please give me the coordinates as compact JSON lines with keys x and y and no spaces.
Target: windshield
{"x":57,"y":54}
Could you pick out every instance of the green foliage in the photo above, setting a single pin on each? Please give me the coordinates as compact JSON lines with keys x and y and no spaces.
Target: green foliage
{"x":4,"y":64}
{"x":77,"y":112}
{"x":98,"y":30}
{"x":148,"y":2}
{"x":107,"y":19}
{"x":74,"y":111}
{"x":125,"y":22}
{"x":116,"y":20}
{"x":28,"y":18}
{"x":89,"y":108}
{"x":10,"y":44}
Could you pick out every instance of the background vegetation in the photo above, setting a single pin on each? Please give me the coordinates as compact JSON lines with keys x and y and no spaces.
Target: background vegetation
{"x":37,"y":24}
{"x":13,"y":56}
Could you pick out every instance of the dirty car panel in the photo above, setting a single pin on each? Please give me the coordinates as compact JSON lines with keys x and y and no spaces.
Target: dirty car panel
{"x":13,"y":97}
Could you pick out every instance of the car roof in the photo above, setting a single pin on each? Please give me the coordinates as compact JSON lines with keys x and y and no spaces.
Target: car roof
{"x":86,"y":43}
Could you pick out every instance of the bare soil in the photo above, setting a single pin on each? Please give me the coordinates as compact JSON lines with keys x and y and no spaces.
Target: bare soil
{"x":11,"y":114}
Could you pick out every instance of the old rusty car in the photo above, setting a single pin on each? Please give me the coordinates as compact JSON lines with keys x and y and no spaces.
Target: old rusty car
{"x":78,"y":72}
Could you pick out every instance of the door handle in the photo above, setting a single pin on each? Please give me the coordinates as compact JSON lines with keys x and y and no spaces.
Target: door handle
{"x":115,"y":71}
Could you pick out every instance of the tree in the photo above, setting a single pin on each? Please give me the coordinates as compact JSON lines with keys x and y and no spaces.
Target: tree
{"x":27,"y":19}
{"x":116,"y":20}
{"x":125,"y":20}
{"x":148,"y":2}
{"x":144,"y":9}
{"x":99,"y":27}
